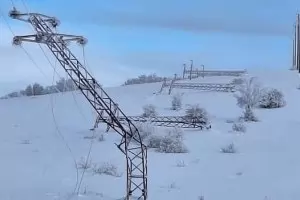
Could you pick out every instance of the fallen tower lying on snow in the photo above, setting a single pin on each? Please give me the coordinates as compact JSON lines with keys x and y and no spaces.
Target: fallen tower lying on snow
{"x":165,"y":121}
{"x":217,"y":87}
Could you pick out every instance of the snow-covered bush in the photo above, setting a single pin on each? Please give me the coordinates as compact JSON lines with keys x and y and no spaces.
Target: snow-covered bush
{"x":175,"y":133}
{"x":248,"y":115}
{"x":248,"y":93}
{"x":172,"y":144}
{"x":194,"y":112}
{"x":149,"y":111}
{"x":229,"y":149}
{"x":271,"y":98}
{"x":151,"y":78}
{"x":176,"y":102}
{"x":145,"y":130}
{"x":106,"y":168}
{"x":239,"y":127}
{"x":84,"y":163}
{"x":153,"y":141}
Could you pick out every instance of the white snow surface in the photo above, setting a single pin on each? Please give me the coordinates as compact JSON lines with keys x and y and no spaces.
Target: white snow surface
{"x":37,"y":165}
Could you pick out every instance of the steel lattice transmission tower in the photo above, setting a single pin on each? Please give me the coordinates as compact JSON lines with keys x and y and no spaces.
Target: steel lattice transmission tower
{"x":131,"y":144}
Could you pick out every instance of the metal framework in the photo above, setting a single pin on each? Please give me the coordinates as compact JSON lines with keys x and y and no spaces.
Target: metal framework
{"x":131,"y":144}
{"x":195,"y":73}
{"x":296,"y":45}
{"x":218,"y":87}
{"x":168,"y":121}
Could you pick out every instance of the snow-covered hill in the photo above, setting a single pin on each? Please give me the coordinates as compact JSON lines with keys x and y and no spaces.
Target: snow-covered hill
{"x":42,"y":136}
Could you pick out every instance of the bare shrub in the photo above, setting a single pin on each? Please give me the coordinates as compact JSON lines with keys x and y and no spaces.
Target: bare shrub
{"x":248,"y":93}
{"x":171,"y":144}
{"x":154,"y":141}
{"x":106,"y":168}
{"x":84,"y":163}
{"x":181,"y":163}
{"x":201,"y":198}
{"x":101,"y":138}
{"x":248,"y":115}
{"x":271,"y":98}
{"x":149,"y":111}
{"x":229,"y":149}
{"x":239,"y":127}
{"x":194,"y":112}
{"x":176,"y":102}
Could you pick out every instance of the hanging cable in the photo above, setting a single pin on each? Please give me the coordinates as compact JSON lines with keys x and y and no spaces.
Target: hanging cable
{"x":61,"y":135}
{"x":33,"y":61}
{"x":12,"y":3}
{"x":78,"y":184}
{"x":25,"y":6}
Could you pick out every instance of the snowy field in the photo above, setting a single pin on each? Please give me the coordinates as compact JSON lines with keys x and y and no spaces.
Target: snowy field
{"x":42,"y":136}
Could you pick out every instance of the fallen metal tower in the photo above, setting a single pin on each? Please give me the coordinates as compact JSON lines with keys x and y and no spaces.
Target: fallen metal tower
{"x":195,"y":73}
{"x":167,"y":121}
{"x":131,"y":144}
{"x":217,"y":87}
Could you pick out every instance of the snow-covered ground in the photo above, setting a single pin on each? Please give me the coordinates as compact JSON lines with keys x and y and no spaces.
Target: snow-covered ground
{"x":42,"y":136}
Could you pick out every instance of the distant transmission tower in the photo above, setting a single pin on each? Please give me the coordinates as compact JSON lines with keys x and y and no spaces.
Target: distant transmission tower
{"x":131,"y":144}
{"x":296,"y":45}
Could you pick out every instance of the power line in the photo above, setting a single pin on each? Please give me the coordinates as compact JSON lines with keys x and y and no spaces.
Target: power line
{"x":58,"y":131}
{"x":78,"y":184}
{"x":12,"y":3}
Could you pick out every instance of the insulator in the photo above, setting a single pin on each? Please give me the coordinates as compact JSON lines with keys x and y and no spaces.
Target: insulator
{"x":17,"y":41}
{"x":39,"y":37}
{"x":14,"y":13}
{"x":82,"y":41}
{"x":54,"y":22}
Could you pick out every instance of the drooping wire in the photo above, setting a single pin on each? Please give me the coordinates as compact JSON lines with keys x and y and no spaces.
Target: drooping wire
{"x":12,"y":3}
{"x":92,"y":141}
{"x":54,"y":119}
{"x":36,"y":65}
{"x":60,"y":134}
{"x":78,"y":185}
{"x":25,"y":6}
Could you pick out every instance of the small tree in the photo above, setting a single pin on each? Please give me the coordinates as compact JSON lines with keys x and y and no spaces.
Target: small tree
{"x":248,"y":93}
{"x":248,"y":115}
{"x":149,"y":111}
{"x":248,"y":97}
{"x":37,"y":89}
{"x":28,"y":91}
{"x":70,"y":85}
{"x":176,"y":102}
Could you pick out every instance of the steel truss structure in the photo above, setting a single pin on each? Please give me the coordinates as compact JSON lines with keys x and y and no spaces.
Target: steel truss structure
{"x":168,"y":121}
{"x":218,"y":87}
{"x":131,"y":144}
{"x":195,"y":73}
{"x":296,"y":45}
